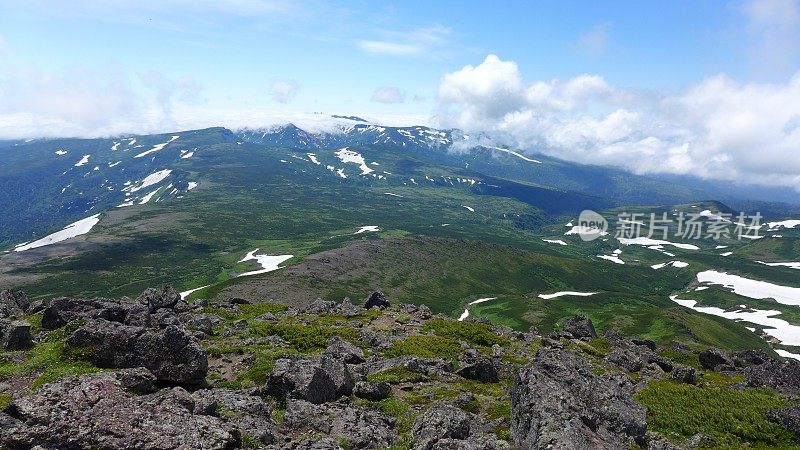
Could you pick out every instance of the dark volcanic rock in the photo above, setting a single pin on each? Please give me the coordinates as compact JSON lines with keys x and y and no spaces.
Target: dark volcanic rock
{"x":479,"y":369}
{"x":440,"y":422}
{"x":750,"y":357}
{"x":15,"y":335}
{"x":345,"y":351}
{"x":62,"y":311}
{"x":362,"y":428}
{"x":782,"y":376}
{"x":788,"y":418}
{"x":171,"y":354}
{"x":371,"y":390}
{"x":377,"y":300}
{"x":715,"y":359}
{"x":243,"y":410}
{"x":317,"y":381}
{"x":97,"y":411}
{"x":557,"y":403}
{"x":579,"y":327}
{"x":155,"y":299}
{"x":13,"y":304}
{"x":685,"y":374}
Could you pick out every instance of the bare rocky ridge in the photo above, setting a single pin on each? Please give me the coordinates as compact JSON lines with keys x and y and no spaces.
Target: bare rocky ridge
{"x":159,"y":373}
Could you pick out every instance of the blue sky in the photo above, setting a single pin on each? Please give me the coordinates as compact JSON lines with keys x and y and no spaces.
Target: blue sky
{"x":98,"y":67}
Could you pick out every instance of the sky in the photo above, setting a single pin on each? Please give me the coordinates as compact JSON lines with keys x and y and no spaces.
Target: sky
{"x":709,"y":88}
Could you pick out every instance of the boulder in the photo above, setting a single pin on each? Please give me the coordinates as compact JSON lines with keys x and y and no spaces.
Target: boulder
{"x":361,"y":428}
{"x":558,"y":403}
{"x":98,"y":411}
{"x":781,"y":376}
{"x":479,"y":369}
{"x":15,"y":335}
{"x":487,"y":442}
{"x":170,"y":353}
{"x":715,"y":359}
{"x":684,"y":374}
{"x":61,"y":311}
{"x":371,"y":390}
{"x":377,"y":300}
{"x":579,"y":327}
{"x":440,"y":422}
{"x":788,"y":418}
{"x":13,"y":304}
{"x":746,"y":358}
{"x":155,"y":299}
{"x":242,"y":410}
{"x":317,"y":381}
{"x":345,"y":351}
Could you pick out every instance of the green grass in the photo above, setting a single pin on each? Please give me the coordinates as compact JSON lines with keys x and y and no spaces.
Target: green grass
{"x":5,"y":400}
{"x":246,"y":311}
{"x":735,"y":418}
{"x":474,"y":333}
{"x":426,"y":346}
{"x":303,"y":338}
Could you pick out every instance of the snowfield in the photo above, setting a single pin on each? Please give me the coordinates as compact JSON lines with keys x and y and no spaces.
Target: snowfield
{"x":349,"y":156}
{"x":157,"y":147}
{"x":580,"y":229}
{"x":269,"y":263}
{"x":72,"y":230}
{"x":368,"y":228}
{"x":555,"y":241}
{"x":83,"y":161}
{"x":563,"y":293}
{"x":786,"y":295}
{"x":465,"y":314}
{"x":653,"y":242}
{"x":678,"y":264}
{"x":152,"y":179}
{"x":791,"y":265}
{"x":783,"y":224}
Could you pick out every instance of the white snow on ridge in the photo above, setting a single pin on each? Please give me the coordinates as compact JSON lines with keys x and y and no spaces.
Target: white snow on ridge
{"x":393,"y":194}
{"x":678,"y":264}
{"x":563,"y":293}
{"x":152,"y":179}
{"x":61,"y":152}
{"x":784,"y":224}
{"x":349,"y":156}
{"x":555,"y":241}
{"x":613,"y":258}
{"x":185,"y":294}
{"x":468,"y":208}
{"x":757,"y":289}
{"x":268,"y":263}
{"x":156,"y":147}
{"x":648,"y":242}
{"x":72,"y":230}
{"x":368,"y":228}
{"x":726,"y":254}
{"x":192,"y":185}
{"x":791,"y":265}
{"x":511,"y":152}
{"x":787,"y":333}
{"x":313,"y":158}
{"x":148,"y":197}
{"x":465,"y":314}
{"x":83,"y":161}
{"x":580,"y":229}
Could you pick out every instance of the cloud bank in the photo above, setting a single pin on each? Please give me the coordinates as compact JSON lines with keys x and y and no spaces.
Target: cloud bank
{"x":388,"y":94}
{"x":718,"y":128}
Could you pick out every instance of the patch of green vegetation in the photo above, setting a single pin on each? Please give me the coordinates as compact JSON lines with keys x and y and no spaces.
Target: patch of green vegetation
{"x":492,"y":390}
{"x":498,"y":410}
{"x":599,"y":347}
{"x":5,"y":400}
{"x":426,"y":347}
{"x":303,"y":338}
{"x":474,"y":333}
{"x":397,"y":374}
{"x":394,"y":408}
{"x":246,"y":311}
{"x":721,"y":379}
{"x":677,"y":356}
{"x":734,"y":418}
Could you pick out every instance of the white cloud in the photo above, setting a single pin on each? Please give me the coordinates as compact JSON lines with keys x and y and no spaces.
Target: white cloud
{"x":774,"y":29}
{"x":284,"y":90}
{"x":81,"y":102}
{"x":388,"y":94}
{"x":594,"y":42}
{"x":718,"y":128}
{"x":429,"y":42}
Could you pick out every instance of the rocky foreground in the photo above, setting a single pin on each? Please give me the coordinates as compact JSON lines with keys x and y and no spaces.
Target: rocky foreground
{"x":159,"y":373}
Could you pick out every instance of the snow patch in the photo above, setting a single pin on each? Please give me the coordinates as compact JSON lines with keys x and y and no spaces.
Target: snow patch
{"x":368,"y":229}
{"x":565,"y":293}
{"x":650,"y":242}
{"x":349,"y":156}
{"x":555,"y":241}
{"x":269,"y":263}
{"x":465,"y":314}
{"x":72,"y":230}
{"x":83,"y":161}
{"x":757,"y":289}
{"x":156,"y":147}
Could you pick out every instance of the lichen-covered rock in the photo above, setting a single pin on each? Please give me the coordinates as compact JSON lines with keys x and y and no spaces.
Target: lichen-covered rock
{"x":579,"y":327}
{"x":788,"y":418}
{"x":371,"y":390}
{"x":13,"y":304}
{"x":479,"y":369}
{"x":15,"y":335}
{"x":715,"y":359}
{"x":97,"y":411}
{"x":685,"y":374}
{"x":782,"y":376}
{"x":171,"y":354}
{"x":362,"y":428}
{"x":155,"y":299}
{"x":377,"y":300}
{"x":244,"y":411}
{"x":345,"y":351}
{"x":61,"y":311}
{"x":558,"y":403}
{"x":317,"y":381}
{"x":440,"y":422}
